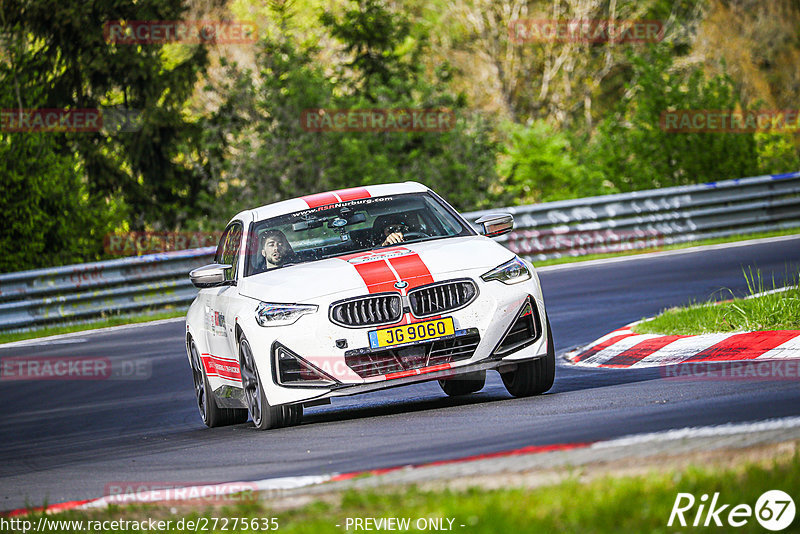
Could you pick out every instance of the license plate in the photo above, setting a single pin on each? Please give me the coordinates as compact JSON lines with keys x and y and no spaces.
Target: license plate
{"x":410,"y":333}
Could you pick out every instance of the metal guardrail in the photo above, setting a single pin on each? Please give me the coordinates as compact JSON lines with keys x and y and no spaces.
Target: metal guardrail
{"x":86,"y":292}
{"x":642,"y":219}
{"x":653,"y":218}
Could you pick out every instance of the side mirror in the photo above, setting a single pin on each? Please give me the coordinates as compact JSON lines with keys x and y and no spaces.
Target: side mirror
{"x":209,"y":275}
{"x":496,"y":224}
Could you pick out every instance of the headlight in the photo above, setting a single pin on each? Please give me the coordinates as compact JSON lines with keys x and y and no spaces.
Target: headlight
{"x":271,"y":314}
{"x":511,"y":272}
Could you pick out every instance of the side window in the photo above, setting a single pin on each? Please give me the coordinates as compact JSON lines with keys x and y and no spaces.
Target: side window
{"x":228,"y":249}
{"x":220,"y":246}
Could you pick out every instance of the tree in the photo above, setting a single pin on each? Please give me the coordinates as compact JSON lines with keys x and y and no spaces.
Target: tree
{"x":55,"y":56}
{"x":541,"y":165}
{"x":635,"y":152}
{"x":265,"y":153}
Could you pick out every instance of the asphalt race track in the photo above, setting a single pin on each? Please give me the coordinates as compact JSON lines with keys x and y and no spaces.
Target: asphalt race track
{"x":67,"y":440}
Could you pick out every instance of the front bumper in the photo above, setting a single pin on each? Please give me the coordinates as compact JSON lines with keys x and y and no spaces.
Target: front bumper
{"x":329,"y":347}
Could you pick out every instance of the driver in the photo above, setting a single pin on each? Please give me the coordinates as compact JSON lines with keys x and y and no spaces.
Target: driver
{"x":391,"y":229}
{"x":275,"y":251}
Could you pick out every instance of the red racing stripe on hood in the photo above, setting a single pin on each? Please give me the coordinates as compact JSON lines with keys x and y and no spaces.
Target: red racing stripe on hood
{"x":412,"y":269}
{"x":382,"y":269}
{"x":377,"y":275}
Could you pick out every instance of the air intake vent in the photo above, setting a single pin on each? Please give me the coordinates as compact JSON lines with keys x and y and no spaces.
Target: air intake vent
{"x":367,"y":363}
{"x":441,"y":297}
{"x":373,"y":310}
{"x":524,"y":331}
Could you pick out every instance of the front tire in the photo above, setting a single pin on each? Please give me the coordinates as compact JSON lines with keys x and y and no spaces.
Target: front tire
{"x":263,"y":415}
{"x":464,"y":384}
{"x":536,"y":376}
{"x":212,"y":415}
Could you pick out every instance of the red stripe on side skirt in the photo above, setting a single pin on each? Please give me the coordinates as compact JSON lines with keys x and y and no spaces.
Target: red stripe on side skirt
{"x":222,"y":368}
{"x":745,"y":346}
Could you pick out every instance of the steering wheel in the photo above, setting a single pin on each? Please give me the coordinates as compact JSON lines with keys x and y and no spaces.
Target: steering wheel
{"x":414,"y":235}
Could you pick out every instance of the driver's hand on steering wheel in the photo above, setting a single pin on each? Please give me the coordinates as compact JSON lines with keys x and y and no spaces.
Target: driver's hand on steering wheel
{"x":393,"y":239}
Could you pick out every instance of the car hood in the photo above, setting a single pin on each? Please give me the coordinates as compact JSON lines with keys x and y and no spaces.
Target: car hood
{"x":377,"y":270}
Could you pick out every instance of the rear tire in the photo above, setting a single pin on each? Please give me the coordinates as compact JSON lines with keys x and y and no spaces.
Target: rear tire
{"x":464,"y":384}
{"x":263,"y":415}
{"x":212,"y":415}
{"x":536,"y":376}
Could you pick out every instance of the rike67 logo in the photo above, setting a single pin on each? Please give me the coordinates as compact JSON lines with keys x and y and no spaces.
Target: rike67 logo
{"x":774,"y":510}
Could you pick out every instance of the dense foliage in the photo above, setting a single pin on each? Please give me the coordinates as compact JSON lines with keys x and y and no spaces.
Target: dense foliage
{"x":220,"y":128}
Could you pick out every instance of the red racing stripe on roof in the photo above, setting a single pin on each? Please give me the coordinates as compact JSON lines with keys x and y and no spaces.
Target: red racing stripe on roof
{"x":354,"y":193}
{"x":320,"y":199}
{"x":745,"y":346}
{"x":332,"y":197}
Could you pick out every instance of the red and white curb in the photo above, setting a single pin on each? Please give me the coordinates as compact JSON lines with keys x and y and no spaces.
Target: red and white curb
{"x":657,"y":442}
{"x":216,"y":491}
{"x":624,"y":348}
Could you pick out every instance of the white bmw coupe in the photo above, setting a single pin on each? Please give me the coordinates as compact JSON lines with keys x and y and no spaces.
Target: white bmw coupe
{"x":356,"y":290}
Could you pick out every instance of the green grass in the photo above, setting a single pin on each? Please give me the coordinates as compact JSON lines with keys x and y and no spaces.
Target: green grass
{"x":102,"y":323}
{"x":689,"y":244}
{"x":610,"y":504}
{"x":775,"y":311}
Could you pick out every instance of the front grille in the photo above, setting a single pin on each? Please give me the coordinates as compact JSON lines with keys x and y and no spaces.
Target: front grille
{"x":441,"y":297}
{"x":367,"y":311}
{"x":380,"y":362}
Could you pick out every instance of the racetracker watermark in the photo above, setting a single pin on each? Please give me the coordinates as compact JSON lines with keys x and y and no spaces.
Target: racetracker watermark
{"x":126,"y":492}
{"x":73,"y":368}
{"x":108,"y":120}
{"x":585,"y":31}
{"x":766,"y":370}
{"x":147,"y":32}
{"x":377,"y":120}
{"x":137,"y":243}
{"x":730,"y":121}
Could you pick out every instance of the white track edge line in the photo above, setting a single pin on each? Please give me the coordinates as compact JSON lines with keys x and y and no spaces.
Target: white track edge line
{"x":92,"y":331}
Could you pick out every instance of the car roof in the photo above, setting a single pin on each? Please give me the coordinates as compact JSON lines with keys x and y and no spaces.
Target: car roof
{"x":330,"y":197}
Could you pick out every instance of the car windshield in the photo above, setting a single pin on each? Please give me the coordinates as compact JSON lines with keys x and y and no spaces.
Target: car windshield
{"x":348,"y":227}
